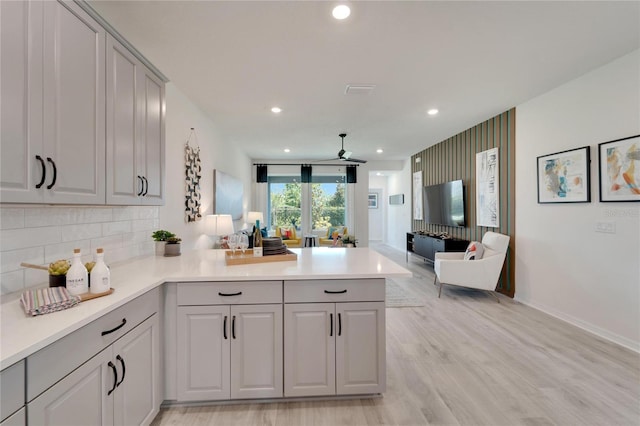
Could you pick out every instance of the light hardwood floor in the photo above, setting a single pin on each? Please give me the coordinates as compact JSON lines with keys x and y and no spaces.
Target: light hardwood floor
{"x":465,"y":359}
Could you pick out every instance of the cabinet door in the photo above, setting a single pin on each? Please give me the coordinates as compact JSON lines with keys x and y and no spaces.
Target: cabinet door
{"x":309,"y":349}
{"x":203,"y":353}
{"x":150,"y":145}
{"x":21,"y":102}
{"x":124,"y":183}
{"x":74,"y":104}
{"x":360,"y":348}
{"x":137,"y":398}
{"x":19,"y":418}
{"x":81,"y":398}
{"x":256,"y":351}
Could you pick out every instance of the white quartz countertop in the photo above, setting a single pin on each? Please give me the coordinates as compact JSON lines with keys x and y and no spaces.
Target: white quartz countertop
{"x":22,"y":335}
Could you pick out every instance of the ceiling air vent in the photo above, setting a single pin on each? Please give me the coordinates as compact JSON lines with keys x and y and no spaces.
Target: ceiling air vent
{"x":359,"y":89}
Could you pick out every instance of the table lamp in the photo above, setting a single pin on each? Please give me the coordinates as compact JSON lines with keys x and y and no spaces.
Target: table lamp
{"x":218,"y":225}
{"x":254,"y":217}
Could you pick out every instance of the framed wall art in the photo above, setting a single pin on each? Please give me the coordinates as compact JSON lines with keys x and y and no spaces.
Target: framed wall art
{"x":487,"y":188}
{"x":563,"y":177}
{"x":619,"y":169}
{"x":227,"y":195}
{"x":373,"y":200}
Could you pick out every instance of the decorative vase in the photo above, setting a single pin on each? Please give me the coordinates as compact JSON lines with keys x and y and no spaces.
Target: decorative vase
{"x":160,"y":248}
{"x":172,"y":249}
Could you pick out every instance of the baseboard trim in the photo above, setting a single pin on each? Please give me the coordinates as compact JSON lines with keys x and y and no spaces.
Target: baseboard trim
{"x":586,"y":326}
{"x":174,"y":403}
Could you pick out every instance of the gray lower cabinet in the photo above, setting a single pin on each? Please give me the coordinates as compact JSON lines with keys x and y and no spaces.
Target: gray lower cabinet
{"x":334,"y":348}
{"x":12,"y":391}
{"x":19,"y":418}
{"x":229,"y":340}
{"x":120,"y":385}
{"x":229,"y":352}
{"x":334,"y":337}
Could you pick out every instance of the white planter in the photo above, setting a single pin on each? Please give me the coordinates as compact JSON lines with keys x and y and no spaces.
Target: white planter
{"x":160,"y":248}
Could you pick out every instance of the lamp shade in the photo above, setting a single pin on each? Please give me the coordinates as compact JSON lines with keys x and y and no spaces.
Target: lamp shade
{"x":219,"y":224}
{"x":252,"y":217}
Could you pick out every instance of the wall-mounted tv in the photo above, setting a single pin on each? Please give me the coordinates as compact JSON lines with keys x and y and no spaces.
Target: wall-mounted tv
{"x":444,"y":203}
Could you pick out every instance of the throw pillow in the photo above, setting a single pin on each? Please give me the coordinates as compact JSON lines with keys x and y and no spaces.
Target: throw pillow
{"x":264,"y":232}
{"x":474,"y":251}
{"x":285,"y":233}
{"x":330,"y":231}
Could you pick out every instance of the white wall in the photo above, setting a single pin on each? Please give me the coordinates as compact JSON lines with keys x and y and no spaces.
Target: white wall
{"x":399,"y":216}
{"x":182,"y":115}
{"x":563,"y":266}
{"x":377,"y":222}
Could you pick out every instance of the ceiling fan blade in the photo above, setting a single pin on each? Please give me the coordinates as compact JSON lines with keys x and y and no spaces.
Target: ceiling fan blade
{"x":354,"y":160}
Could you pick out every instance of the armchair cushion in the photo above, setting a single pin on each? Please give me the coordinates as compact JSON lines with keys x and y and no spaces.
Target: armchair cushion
{"x":337,"y":231}
{"x":474,"y":251}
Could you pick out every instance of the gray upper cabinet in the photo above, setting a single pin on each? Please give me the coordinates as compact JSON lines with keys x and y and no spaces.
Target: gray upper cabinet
{"x":135,"y":130}
{"x":81,"y":119}
{"x":74,"y":104}
{"x":21,"y":103}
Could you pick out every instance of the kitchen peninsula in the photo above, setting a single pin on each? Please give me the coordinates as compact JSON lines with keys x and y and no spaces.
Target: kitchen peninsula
{"x":309,"y":327}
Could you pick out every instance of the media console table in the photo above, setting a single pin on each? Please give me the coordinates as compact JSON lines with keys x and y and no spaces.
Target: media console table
{"x":426,"y":246}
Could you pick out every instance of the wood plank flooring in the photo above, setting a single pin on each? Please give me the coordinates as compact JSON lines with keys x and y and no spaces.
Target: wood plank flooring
{"x":465,"y":359}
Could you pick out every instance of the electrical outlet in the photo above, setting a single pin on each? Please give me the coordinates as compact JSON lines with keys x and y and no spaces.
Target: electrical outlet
{"x":606,"y":227}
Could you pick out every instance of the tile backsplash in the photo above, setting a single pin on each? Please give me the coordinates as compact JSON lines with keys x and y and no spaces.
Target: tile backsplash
{"x":42,"y":234}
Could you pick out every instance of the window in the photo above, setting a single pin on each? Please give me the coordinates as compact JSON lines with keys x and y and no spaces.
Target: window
{"x":307,"y":206}
{"x":284,"y":201}
{"x":328,"y":202}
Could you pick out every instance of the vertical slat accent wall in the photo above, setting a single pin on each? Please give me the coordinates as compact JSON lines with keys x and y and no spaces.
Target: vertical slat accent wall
{"x":455,"y":158}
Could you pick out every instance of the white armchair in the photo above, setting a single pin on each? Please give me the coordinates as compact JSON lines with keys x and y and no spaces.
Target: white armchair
{"x":483,"y":274}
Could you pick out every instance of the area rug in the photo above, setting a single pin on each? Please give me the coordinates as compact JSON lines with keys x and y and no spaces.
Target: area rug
{"x":397,"y":297}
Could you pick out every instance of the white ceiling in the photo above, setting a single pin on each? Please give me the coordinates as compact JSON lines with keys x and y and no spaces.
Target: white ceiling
{"x":471,"y":60}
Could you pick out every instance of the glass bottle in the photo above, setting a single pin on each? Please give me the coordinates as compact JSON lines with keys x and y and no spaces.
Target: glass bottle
{"x":100,"y":274}
{"x":77,"y":275}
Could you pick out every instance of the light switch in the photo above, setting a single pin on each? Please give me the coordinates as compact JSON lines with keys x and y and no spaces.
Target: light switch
{"x":606,"y":227}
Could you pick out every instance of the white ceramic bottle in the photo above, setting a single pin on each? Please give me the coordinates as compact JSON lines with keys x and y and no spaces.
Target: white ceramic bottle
{"x":77,"y":276}
{"x":100,"y":274}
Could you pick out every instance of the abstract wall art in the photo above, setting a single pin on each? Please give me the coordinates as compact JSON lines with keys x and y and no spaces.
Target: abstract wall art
{"x":227,"y":195}
{"x":619,"y":167}
{"x":563,"y":177}
{"x":487,"y":188}
{"x":417,"y":195}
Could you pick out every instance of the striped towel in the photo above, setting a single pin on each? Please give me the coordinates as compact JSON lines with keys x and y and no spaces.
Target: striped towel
{"x":45,"y":300}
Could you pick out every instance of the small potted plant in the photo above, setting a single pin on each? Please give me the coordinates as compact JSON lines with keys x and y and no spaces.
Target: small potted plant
{"x":349,"y":241}
{"x":172,"y":246}
{"x":160,"y":237}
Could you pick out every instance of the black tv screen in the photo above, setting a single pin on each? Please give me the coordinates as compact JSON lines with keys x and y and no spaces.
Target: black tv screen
{"x":444,"y":203}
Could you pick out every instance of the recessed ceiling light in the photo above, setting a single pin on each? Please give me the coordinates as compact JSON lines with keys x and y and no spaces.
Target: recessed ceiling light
{"x":379,"y":174}
{"x":379,"y":151}
{"x":341,"y":11}
{"x":287,"y":150}
{"x":432,"y":111}
{"x":276,"y":110}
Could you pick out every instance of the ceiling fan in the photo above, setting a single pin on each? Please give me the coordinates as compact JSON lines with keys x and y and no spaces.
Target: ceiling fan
{"x":346,"y":155}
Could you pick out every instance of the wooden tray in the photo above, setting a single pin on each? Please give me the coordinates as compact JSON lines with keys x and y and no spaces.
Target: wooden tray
{"x":247,"y":257}
{"x":88,"y":296}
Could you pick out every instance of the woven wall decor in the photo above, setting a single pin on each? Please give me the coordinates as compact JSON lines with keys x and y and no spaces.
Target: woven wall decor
{"x":193,"y":172}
